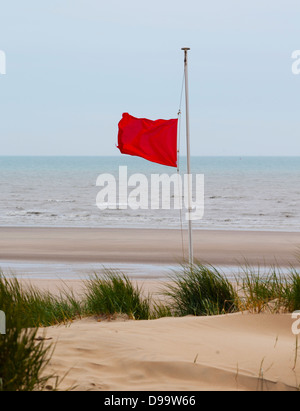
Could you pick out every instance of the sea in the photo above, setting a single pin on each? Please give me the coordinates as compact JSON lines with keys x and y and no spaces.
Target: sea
{"x":241,"y":193}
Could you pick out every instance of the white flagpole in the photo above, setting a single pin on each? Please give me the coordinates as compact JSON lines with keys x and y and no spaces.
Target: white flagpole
{"x":191,"y":248}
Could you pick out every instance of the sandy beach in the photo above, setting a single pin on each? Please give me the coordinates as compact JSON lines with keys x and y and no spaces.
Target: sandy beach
{"x":232,"y":352}
{"x":237,"y":352}
{"x":80,"y":245}
{"x":246,"y":352}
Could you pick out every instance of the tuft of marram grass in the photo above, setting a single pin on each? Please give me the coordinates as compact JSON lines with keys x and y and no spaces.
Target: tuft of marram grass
{"x":292,"y":291}
{"x":201,"y":291}
{"x":258,"y":290}
{"x":160,"y":310}
{"x":271,"y":291}
{"x":22,"y":358}
{"x":113,"y":293}
{"x":38,"y":308}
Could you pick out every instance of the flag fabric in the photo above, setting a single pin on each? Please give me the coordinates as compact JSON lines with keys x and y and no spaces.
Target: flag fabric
{"x":155,"y":141}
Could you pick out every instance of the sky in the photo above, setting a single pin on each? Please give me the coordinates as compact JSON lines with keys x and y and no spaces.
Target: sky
{"x":74,"y":66}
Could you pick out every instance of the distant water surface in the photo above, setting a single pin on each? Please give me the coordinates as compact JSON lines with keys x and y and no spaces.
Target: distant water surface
{"x":249,"y":193}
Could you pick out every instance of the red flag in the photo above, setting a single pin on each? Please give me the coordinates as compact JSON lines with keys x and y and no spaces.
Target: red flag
{"x":155,"y":141}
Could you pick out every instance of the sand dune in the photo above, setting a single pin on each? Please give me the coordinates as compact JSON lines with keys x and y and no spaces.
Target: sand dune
{"x":233,"y":352}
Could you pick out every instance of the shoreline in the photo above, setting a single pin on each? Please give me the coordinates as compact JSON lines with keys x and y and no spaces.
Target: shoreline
{"x":116,"y":227}
{"x":147,"y":246}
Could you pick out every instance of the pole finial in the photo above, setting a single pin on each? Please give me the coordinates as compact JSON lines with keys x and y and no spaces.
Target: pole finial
{"x":185,"y":49}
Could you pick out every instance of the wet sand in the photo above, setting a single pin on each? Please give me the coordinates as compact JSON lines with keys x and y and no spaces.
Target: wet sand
{"x":146,"y":246}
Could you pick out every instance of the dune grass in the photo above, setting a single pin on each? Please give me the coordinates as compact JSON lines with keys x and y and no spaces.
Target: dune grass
{"x":113,"y":293}
{"x":201,"y":291}
{"x":258,"y":290}
{"x":38,"y":308}
{"x":22,"y":358}
{"x":269,"y":291}
{"x":293,"y":291}
{"x":160,"y":310}
{"x":195,"y":290}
